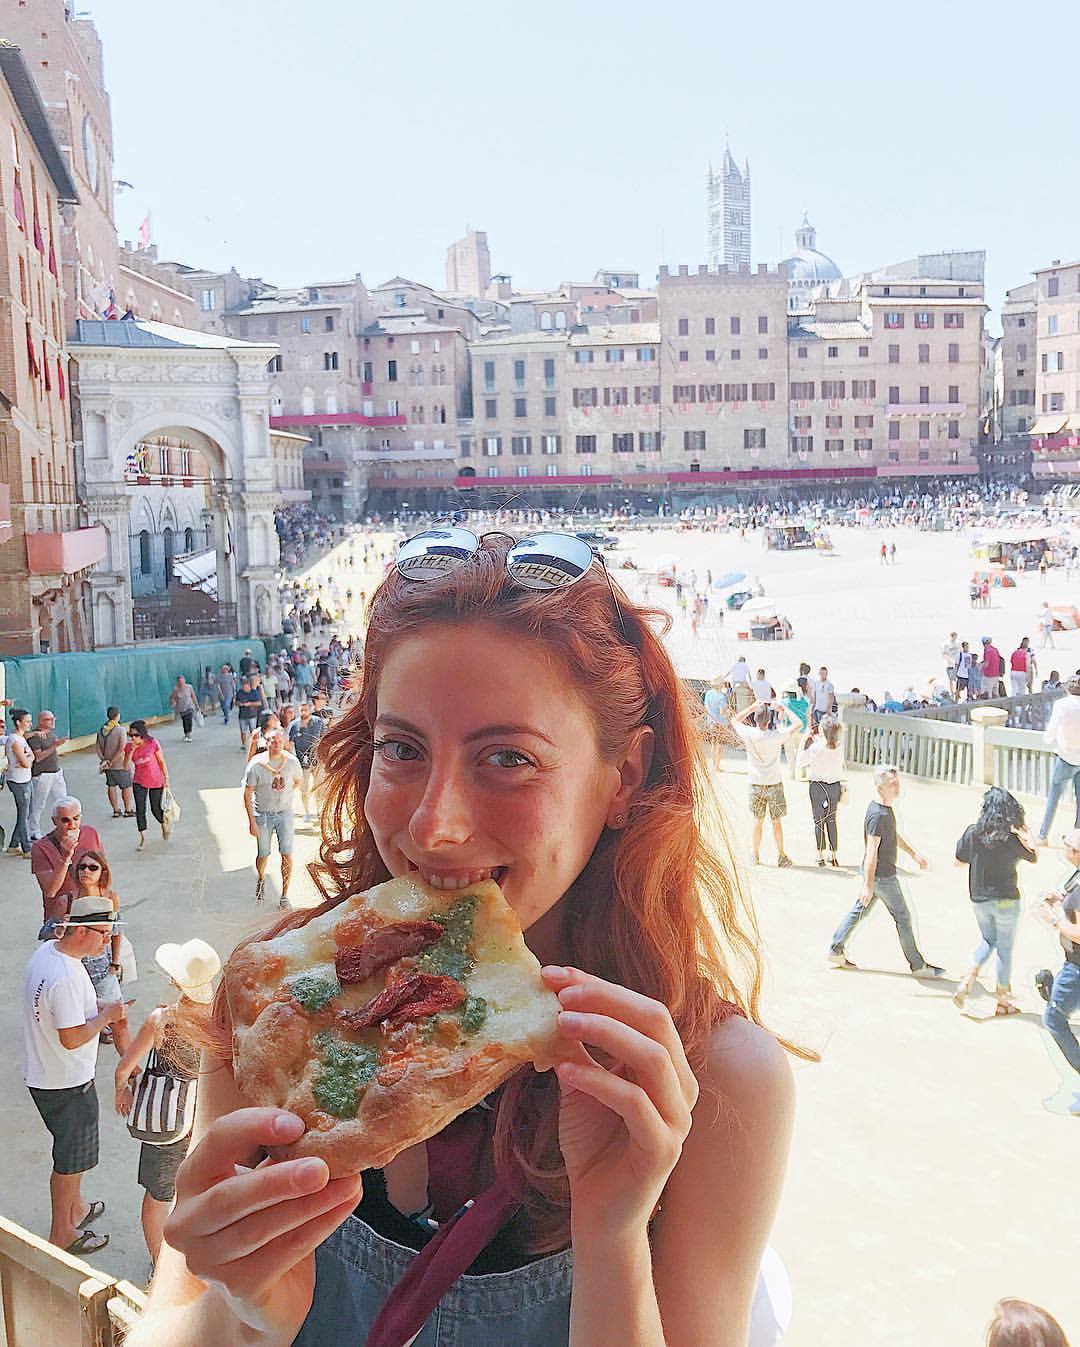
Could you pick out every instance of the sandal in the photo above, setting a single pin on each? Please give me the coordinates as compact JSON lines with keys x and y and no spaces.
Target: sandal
{"x":129,"y":813}
{"x":1006,"y":1008}
{"x":96,"y":1209}
{"x":88,"y":1242}
{"x":116,"y":813}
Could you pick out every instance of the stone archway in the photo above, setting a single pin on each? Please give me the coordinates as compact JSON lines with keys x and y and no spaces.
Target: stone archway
{"x":176,"y":423}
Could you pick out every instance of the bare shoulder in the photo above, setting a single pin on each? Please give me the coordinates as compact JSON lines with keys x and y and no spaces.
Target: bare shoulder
{"x":749,"y":1071}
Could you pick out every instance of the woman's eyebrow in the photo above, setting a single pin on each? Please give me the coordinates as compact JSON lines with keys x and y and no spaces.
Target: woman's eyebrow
{"x":485,"y":732}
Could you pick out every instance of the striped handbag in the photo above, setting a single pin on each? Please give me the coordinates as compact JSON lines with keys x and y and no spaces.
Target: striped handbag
{"x":164,"y":1106}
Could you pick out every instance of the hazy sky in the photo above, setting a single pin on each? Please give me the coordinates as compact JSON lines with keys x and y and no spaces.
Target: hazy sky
{"x":305,"y":142}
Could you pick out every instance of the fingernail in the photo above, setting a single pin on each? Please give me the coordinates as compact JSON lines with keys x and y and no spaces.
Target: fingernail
{"x":569,"y":1020}
{"x":553,"y":971}
{"x":287,"y":1125}
{"x":308,"y":1173}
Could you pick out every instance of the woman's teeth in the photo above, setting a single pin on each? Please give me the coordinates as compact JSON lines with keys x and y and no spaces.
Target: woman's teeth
{"x":463,"y":879}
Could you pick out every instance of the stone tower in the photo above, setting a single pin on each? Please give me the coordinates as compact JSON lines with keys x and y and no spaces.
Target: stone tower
{"x":728,"y":214}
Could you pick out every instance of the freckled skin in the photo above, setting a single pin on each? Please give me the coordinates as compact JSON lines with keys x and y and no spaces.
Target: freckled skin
{"x":534,"y":802}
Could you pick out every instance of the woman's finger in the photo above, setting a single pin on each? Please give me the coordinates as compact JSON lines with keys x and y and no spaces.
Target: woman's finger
{"x":648,"y":1061}
{"x":231,"y":1243}
{"x":647,"y":1130}
{"x":229,"y":1141}
{"x":580,"y":991}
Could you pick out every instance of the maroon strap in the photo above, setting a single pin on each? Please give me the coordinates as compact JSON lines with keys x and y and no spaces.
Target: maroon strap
{"x":466,"y":1230}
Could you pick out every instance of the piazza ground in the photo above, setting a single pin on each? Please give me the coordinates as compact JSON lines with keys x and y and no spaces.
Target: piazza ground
{"x":926,"y":1177}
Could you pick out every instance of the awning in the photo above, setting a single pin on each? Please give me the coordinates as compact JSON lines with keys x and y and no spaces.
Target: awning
{"x":1073,"y":421}
{"x":1049,"y":425}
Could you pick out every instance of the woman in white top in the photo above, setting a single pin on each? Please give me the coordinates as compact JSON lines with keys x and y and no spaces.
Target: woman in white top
{"x":20,"y":760}
{"x":823,"y":759}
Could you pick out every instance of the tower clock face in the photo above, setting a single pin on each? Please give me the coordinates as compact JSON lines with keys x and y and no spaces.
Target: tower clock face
{"x":93,"y":170}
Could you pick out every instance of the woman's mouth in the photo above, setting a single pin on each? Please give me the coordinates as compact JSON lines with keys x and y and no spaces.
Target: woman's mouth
{"x":458,"y":879}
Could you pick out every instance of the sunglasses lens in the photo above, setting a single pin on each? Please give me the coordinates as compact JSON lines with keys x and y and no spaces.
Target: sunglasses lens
{"x":549,"y":560}
{"x":434,"y":553}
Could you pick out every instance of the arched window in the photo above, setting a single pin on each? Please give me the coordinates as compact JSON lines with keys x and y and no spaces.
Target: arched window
{"x":560,"y":320}
{"x":189,"y":540}
{"x":307,"y":402}
{"x":331,"y":401}
{"x":144,"y":553}
{"x":545,"y":322}
{"x":170,"y":551}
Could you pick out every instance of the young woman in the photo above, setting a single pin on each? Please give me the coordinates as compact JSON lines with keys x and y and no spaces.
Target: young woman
{"x":822,"y":758}
{"x":20,"y":761}
{"x":150,"y":778}
{"x":992,"y":847}
{"x":259,"y":741}
{"x":93,"y":880}
{"x":542,"y":738}
{"x":190,"y":969}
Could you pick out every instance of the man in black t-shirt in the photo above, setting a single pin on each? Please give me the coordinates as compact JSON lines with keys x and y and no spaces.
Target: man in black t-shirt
{"x":304,"y":735}
{"x":250,"y":703}
{"x":879,"y":878}
{"x":1061,"y":909}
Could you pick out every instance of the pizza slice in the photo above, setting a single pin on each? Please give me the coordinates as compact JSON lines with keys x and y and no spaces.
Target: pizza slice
{"x":382,"y":1020}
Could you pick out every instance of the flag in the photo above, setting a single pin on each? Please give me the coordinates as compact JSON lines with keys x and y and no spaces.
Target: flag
{"x":52,"y":258}
{"x":31,"y":358}
{"x":45,"y":366}
{"x":39,"y":238}
{"x":144,"y":232}
{"x":60,"y":382}
{"x":111,"y":311}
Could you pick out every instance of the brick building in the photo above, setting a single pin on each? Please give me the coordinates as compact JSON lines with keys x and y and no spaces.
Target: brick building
{"x":1055,"y":434}
{"x":44,"y":550}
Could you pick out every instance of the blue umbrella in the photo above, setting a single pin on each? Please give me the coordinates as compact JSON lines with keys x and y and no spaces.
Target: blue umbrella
{"x":726,"y":581}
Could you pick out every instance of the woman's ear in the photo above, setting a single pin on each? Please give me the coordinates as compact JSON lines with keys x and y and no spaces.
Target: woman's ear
{"x":633,"y":773}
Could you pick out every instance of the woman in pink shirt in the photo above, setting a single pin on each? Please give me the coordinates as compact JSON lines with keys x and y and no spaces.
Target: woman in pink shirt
{"x":150,"y":777}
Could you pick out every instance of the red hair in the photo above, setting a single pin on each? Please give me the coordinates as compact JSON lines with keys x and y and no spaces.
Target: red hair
{"x":658,"y":907}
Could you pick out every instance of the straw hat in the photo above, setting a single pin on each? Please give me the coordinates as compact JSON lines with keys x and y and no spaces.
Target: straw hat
{"x":91,"y":912}
{"x":192,"y":966}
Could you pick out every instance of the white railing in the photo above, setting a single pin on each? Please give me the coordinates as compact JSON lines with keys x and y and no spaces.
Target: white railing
{"x":938,"y":750}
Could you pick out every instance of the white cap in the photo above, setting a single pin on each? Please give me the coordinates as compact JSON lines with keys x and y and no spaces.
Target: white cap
{"x":192,"y":966}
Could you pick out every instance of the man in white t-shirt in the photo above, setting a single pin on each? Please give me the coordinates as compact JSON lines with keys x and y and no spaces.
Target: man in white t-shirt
{"x":763,"y":746}
{"x":270,"y":781}
{"x":823,"y":695}
{"x":61,"y":1023}
{"x":762,"y":688}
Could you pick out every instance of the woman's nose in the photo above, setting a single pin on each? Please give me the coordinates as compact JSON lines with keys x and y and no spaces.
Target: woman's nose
{"x":444,"y":815}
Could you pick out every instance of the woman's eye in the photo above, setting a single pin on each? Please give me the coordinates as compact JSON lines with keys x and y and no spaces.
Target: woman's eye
{"x":396,"y":750}
{"x":508,"y":757}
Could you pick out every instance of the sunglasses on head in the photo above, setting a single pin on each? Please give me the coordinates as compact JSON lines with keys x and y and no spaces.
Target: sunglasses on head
{"x":540,"y":561}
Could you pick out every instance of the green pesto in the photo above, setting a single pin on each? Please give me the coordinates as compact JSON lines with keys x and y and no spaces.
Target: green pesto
{"x":312,"y":990}
{"x":473,"y":1013}
{"x":346,"y":1069}
{"x":451,"y":955}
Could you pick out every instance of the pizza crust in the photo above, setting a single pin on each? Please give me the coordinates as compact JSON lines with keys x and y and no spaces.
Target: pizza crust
{"x":275,"y":1058}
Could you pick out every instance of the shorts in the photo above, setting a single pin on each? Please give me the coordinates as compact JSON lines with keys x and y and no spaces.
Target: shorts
{"x":107,"y":989}
{"x":71,"y":1115}
{"x":158,"y":1166}
{"x":772,"y":797}
{"x":247,"y":722}
{"x":116,"y":776}
{"x":279,"y":824}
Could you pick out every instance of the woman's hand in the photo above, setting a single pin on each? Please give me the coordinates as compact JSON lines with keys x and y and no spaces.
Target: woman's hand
{"x":125,"y":1098}
{"x":251,"y":1234}
{"x":622,"y":1124}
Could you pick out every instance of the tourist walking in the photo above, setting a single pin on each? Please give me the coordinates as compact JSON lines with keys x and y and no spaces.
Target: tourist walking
{"x":55,"y":857}
{"x":882,"y":839}
{"x":269,"y":782}
{"x":1019,"y":661}
{"x":191,"y":969}
{"x":304,"y":735}
{"x":822,"y":759}
{"x":20,"y":762}
{"x":61,"y":1024}
{"x":93,"y":879}
{"x":1062,"y":734}
{"x":993,"y":668}
{"x":183,"y":701}
{"x":963,"y":673}
{"x":259,"y":741}
{"x":1061,"y":909}
{"x":226,"y":690}
{"x":110,"y":745}
{"x":47,"y":784}
{"x":797,"y":701}
{"x":1046,"y":627}
{"x":762,"y":689}
{"x":250,"y":704}
{"x":991,"y":848}
{"x":207,"y":690}
{"x":763,"y":743}
{"x":150,"y":779}
{"x":949,"y":651}
{"x":823,"y":694}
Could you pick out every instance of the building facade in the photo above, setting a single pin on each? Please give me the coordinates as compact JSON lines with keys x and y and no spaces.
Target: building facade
{"x":46,"y":544}
{"x":1055,"y":433}
{"x":468,"y":265}
{"x":1019,"y":361}
{"x":727,"y":206}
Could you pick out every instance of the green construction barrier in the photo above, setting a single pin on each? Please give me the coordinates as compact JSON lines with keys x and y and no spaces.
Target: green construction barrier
{"x":79,"y":687}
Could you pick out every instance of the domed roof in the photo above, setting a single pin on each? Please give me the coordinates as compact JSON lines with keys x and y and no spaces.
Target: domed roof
{"x":807,"y":266}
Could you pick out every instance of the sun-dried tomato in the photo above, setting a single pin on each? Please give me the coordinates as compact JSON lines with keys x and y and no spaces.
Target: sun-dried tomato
{"x":384,"y":946}
{"x":413,"y":998}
